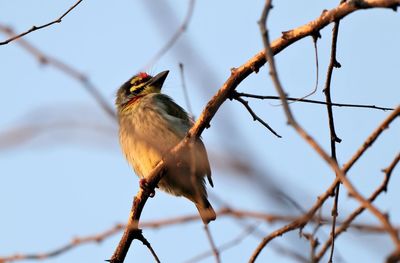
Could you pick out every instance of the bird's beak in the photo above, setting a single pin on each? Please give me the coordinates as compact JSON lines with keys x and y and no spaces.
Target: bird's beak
{"x":158,"y":80}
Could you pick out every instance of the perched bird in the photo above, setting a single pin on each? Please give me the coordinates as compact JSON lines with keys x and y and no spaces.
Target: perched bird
{"x":151,"y":124}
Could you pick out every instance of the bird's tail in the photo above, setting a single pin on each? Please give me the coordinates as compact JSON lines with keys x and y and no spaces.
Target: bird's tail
{"x":206,"y":211}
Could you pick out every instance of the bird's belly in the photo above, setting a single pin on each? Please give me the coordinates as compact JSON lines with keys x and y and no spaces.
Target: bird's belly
{"x":143,"y":158}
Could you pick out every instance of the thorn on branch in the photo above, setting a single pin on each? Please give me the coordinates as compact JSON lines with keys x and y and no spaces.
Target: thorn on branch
{"x":286,"y":34}
{"x":336,"y":64}
{"x":337,"y":139}
{"x":255,"y":68}
{"x":315,"y":35}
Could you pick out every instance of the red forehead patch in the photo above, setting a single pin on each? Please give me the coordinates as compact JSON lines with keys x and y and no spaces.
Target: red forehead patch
{"x":143,"y":75}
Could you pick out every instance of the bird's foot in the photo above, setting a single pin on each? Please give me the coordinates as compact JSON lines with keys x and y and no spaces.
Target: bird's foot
{"x":145,"y":186}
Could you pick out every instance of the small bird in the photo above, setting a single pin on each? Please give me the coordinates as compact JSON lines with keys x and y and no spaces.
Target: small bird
{"x":151,"y":124}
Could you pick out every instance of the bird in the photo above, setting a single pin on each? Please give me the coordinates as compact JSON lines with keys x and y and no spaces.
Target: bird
{"x":150,"y":125}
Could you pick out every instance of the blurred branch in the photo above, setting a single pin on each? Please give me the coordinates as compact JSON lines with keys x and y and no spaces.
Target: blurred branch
{"x":214,"y":248}
{"x":156,"y":224}
{"x":75,"y":242}
{"x":53,"y":120}
{"x":182,"y":28}
{"x":184,"y":89}
{"x":347,"y":105}
{"x":34,"y":28}
{"x":68,"y":70}
{"x":231,"y":243}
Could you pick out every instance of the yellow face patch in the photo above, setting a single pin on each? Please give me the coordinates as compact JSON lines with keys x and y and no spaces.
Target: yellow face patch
{"x":138,"y":82}
{"x":139,"y":85}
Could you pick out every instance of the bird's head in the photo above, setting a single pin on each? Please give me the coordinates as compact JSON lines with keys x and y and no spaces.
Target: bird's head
{"x":139,"y":86}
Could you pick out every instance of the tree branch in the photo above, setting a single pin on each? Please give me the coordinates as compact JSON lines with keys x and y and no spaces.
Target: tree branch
{"x":34,"y":28}
{"x":333,"y":136}
{"x":347,"y":105}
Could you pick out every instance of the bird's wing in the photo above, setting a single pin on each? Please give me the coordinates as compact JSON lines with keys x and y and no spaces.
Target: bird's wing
{"x":205,"y":164}
{"x":178,"y":118}
{"x":180,"y":124}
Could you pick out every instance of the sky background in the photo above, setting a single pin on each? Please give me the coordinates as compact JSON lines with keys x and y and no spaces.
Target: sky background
{"x":70,"y":179}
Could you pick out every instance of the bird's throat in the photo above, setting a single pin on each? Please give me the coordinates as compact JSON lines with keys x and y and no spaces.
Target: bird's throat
{"x":133,"y":100}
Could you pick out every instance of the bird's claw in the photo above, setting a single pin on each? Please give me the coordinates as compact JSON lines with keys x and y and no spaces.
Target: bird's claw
{"x":145,"y":186}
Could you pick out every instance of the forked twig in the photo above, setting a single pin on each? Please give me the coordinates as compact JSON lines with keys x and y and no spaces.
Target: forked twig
{"x":253,"y":114}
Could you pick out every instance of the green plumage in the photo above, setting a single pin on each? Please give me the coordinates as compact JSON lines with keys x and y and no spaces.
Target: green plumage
{"x":151,"y":124}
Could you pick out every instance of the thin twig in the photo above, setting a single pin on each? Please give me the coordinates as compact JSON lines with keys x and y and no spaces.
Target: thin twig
{"x":242,"y":94}
{"x":185,"y":92}
{"x":34,"y":28}
{"x":333,"y":136}
{"x":253,"y":114}
{"x":315,"y":40}
{"x":147,"y":244}
{"x":214,"y":248}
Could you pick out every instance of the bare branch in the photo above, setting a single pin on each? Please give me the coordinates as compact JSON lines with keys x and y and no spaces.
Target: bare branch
{"x":347,"y":105}
{"x":333,"y":136}
{"x":214,"y":249}
{"x":34,"y":28}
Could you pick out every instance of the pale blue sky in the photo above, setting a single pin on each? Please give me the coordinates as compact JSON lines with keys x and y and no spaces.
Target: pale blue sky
{"x":72,"y":179}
